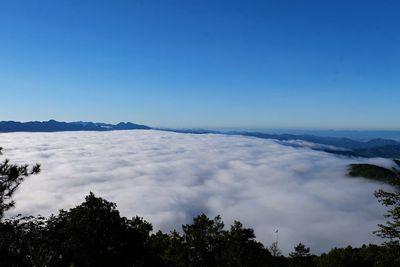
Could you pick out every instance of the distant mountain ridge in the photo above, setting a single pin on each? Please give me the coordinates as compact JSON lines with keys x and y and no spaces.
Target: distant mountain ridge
{"x":385,"y":148}
{"x":331,"y":141}
{"x":379,"y":147}
{"x":58,"y":126}
{"x":373,"y":148}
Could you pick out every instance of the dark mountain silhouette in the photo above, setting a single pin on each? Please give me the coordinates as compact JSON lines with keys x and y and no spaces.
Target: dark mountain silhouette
{"x":58,"y":126}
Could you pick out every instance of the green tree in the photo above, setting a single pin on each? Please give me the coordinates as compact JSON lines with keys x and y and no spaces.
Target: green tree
{"x":390,"y":252}
{"x":301,"y":257}
{"x":300,"y":251}
{"x":170,"y":248}
{"x":241,"y":249}
{"x":366,"y":256}
{"x":24,"y":242}
{"x":94,"y":234}
{"x":11,"y":176}
{"x":203,"y":239}
{"x":391,"y":199}
{"x":275,"y":250}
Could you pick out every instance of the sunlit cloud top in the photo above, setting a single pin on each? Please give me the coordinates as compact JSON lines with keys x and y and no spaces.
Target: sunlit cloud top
{"x":168,"y":178}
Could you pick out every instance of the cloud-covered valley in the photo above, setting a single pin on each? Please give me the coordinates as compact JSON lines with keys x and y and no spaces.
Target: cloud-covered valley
{"x":169,"y":177}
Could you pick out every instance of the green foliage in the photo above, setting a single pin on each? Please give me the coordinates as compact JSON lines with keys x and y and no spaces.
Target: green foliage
{"x":301,"y":257}
{"x":371,"y":255}
{"x":94,"y":234}
{"x":206,"y":243}
{"x":372,"y":172}
{"x":390,"y":199}
{"x":24,"y":242}
{"x":204,"y":240}
{"x":11,"y":176}
{"x":241,"y":248}
{"x":91,"y":234}
{"x":300,"y":251}
{"x":171,"y":249}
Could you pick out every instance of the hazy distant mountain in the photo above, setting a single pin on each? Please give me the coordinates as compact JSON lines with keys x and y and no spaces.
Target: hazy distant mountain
{"x":359,"y":135}
{"x":373,"y":148}
{"x":58,"y":126}
{"x":343,"y":146}
{"x":331,"y":141}
{"x":190,"y":131}
{"x":378,"y":147}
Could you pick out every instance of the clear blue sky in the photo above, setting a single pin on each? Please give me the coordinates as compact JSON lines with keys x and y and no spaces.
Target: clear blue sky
{"x":198,"y":63}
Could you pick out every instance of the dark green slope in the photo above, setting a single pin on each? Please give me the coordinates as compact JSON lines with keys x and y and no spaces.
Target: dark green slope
{"x":371,"y":171}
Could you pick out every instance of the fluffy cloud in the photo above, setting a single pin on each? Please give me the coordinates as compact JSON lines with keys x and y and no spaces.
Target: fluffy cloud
{"x":168,"y":178}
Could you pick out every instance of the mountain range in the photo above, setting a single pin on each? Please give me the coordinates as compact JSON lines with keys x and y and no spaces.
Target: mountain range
{"x":378,"y":147}
{"x":58,"y":126}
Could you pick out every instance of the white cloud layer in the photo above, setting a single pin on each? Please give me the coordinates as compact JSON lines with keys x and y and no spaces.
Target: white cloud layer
{"x":168,"y":178}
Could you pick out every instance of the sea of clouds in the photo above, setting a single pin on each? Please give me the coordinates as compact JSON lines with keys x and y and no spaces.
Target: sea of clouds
{"x":168,"y":178}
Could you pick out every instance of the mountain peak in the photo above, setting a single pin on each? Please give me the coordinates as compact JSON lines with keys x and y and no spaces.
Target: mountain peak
{"x":59,"y":126}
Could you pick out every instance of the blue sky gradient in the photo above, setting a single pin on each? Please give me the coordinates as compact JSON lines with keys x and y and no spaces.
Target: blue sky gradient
{"x":198,"y":63}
